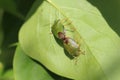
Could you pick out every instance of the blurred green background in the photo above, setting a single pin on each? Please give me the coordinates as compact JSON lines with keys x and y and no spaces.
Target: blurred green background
{"x":13,"y":14}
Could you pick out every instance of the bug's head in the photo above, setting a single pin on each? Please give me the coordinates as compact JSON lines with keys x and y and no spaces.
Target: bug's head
{"x":61,"y":35}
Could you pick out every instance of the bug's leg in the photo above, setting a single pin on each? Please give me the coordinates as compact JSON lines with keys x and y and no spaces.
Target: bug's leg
{"x":69,"y":30}
{"x":76,"y":60}
{"x":64,"y":20}
{"x":67,"y":22}
{"x":82,"y":52}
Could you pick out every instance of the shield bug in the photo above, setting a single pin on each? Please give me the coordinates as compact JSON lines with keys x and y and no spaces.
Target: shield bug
{"x":69,"y":42}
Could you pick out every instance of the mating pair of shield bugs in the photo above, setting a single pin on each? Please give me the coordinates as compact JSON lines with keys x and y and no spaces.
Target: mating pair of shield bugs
{"x":70,"y":44}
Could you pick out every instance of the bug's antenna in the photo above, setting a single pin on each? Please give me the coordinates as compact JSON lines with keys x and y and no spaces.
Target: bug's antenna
{"x":69,"y":30}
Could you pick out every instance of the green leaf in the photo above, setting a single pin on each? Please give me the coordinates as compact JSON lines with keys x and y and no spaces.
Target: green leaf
{"x":99,"y":42}
{"x":1,"y":69}
{"x":110,"y":10}
{"x":8,"y":75}
{"x":27,"y":69}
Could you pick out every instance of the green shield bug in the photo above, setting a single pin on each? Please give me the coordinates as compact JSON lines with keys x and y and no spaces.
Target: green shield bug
{"x":69,"y":38}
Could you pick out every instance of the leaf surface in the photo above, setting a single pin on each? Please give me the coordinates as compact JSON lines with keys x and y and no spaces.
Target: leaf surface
{"x":27,"y":69}
{"x":100,"y":43}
